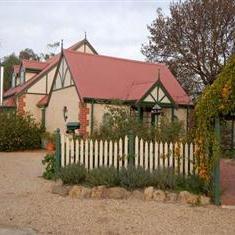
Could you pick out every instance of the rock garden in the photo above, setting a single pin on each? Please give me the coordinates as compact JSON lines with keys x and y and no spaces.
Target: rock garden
{"x":162,"y":185}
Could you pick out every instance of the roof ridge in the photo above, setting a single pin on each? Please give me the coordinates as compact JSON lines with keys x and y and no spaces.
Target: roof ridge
{"x":34,"y":61}
{"x":115,"y":58}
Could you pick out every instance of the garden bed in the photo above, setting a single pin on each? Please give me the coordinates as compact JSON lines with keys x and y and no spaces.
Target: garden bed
{"x":146,"y":194}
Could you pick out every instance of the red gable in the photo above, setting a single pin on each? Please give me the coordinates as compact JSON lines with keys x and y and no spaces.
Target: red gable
{"x":103,"y":77}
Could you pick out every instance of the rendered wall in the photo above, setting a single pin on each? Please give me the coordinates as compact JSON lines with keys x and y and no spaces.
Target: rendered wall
{"x":54,"y":112}
{"x":29,"y":75}
{"x":43,"y":86}
{"x":31,"y":101}
{"x":98,"y":112}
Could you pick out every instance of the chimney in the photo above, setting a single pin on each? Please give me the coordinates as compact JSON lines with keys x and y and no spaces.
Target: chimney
{"x":1,"y":83}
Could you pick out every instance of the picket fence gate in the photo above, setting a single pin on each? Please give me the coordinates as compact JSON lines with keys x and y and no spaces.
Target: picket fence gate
{"x":147,"y":154}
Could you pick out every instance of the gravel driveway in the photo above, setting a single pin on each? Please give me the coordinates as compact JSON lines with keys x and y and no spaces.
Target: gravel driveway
{"x":26,"y":202}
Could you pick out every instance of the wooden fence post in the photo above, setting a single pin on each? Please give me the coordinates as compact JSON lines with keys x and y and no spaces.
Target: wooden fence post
{"x":58,"y":149}
{"x":216,"y":170}
{"x":131,"y":149}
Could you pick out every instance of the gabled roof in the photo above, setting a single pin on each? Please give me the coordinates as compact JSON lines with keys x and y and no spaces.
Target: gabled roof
{"x":43,"y":67}
{"x":34,"y":65}
{"x":19,"y":89}
{"x":80,"y":43}
{"x":104,"y":77}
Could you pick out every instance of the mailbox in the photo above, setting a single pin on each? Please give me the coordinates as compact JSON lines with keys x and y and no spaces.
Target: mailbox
{"x":72,"y":126}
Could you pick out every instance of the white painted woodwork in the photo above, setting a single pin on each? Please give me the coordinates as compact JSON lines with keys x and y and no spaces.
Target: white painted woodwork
{"x":136,"y":150}
{"x":149,"y":155}
{"x":146,"y":155}
{"x":96,"y":154}
{"x":91,"y":155}
{"x":110,"y":153}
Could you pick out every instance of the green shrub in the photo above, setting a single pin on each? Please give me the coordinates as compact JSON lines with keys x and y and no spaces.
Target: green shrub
{"x":50,"y":170}
{"x":103,"y":176}
{"x":73,"y":174}
{"x":118,"y":122}
{"x":18,"y":132}
{"x":133,"y":177}
{"x":193,"y":184}
{"x":163,"y":179}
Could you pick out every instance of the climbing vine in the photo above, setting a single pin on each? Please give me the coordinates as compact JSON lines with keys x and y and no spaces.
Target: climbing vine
{"x":218,"y":100}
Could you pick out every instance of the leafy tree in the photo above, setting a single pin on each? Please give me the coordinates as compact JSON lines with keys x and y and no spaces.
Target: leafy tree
{"x":52,"y":47}
{"x":196,"y":40}
{"x":28,"y":54}
{"x":8,"y":62}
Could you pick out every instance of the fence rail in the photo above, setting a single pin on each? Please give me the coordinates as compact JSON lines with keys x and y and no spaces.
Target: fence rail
{"x":147,"y":154}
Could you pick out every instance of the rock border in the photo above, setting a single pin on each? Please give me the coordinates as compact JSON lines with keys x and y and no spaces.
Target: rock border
{"x":147,"y":194}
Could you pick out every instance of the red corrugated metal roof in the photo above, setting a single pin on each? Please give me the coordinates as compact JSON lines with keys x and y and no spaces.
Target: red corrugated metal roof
{"x":21,"y":88}
{"x":43,"y":66}
{"x":33,"y":64}
{"x":104,"y":77}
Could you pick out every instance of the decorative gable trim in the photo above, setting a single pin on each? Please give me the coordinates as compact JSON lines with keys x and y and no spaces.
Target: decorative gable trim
{"x":157,"y":94}
{"x":55,"y":76}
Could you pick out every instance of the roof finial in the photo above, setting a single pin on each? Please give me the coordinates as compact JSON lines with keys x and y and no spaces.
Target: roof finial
{"x":158,"y":76}
{"x":62,"y":44}
{"x":85,"y":34}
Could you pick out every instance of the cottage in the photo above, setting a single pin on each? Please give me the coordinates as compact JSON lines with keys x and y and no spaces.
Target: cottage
{"x":76,"y":87}
{"x":31,"y":82}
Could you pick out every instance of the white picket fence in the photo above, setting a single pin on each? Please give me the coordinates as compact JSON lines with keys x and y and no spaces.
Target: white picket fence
{"x":149,"y":155}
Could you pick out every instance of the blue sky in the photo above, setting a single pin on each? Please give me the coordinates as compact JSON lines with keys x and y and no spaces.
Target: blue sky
{"x":116,"y":28}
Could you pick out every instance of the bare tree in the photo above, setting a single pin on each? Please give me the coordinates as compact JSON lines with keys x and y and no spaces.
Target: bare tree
{"x":195,"y":40}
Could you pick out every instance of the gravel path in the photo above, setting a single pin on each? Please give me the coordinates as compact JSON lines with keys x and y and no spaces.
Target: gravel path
{"x":26,"y":202}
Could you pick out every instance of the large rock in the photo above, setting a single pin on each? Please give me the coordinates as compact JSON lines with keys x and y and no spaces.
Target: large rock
{"x":60,"y":189}
{"x":171,"y":197}
{"x":148,"y":193}
{"x":98,"y":192}
{"x":80,"y":192}
{"x":187,"y":197}
{"x":159,"y":195}
{"x":116,"y":193}
{"x":137,"y":195}
{"x":204,"y":200}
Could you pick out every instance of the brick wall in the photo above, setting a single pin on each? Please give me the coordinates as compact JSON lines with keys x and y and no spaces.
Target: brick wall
{"x":21,"y":104}
{"x":83,"y":119}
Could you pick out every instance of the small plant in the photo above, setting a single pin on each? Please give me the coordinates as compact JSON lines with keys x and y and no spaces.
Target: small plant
{"x":73,"y":174}
{"x":50,"y":170}
{"x":193,"y":184}
{"x":48,"y":141}
{"x":133,"y":177}
{"x":103,"y":176}
{"x":163,"y":179}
